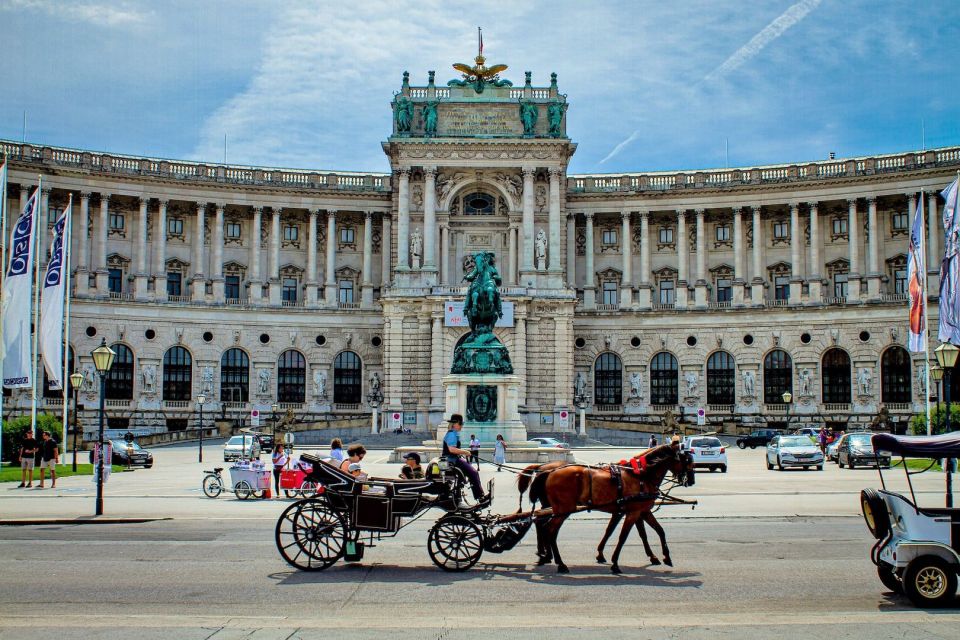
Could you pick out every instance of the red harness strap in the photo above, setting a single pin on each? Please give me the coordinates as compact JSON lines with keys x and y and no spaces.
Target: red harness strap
{"x":637,"y":464}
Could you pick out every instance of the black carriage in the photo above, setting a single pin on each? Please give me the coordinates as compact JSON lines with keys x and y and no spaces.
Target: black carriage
{"x":349,"y":514}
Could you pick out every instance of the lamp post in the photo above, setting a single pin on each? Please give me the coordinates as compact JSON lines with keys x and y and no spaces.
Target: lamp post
{"x":947,"y":357}
{"x":200,"y":400}
{"x":76,"y":380}
{"x":936,"y":372}
{"x":787,"y":397}
{"x":375,"y":397}
{"x":274,"y":408}
{"x":103,"y":357}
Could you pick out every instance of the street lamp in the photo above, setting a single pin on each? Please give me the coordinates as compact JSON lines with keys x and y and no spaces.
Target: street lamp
{"x":787,"y":397}
{"x":947,"y":357}
{"x":200,"y":400}
{"x":103,"y":357}
{"x":375,"y":397}
{"x":936,"y":372}
{"x":76,"y":380}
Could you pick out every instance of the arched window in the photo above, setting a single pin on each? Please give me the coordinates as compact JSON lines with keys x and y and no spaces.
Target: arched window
{"x":120,"y":376}
{"x":49,"y":391}
{"x":777,"y":376}
{"x":347,"y":382}
{"x":895,"y":375}
{"x":664,"y":379}
{"x":291,"y":377}
{"x":177,"y":375}
{"x":836,"y":377}
{"x":721,"y":372}
{"x":479,"y":204}
{"x":234,"y":376}
{"x":607,"y":380}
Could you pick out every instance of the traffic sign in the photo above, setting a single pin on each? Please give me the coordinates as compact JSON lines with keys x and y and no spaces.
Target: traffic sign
{"x":564,"y":420}
{"x":701,"y":417}
{"x":254,"y":417}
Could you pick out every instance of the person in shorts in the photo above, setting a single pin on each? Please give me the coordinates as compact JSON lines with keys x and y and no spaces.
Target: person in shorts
{"x":28,"y":449}
{"x":49,"y":457}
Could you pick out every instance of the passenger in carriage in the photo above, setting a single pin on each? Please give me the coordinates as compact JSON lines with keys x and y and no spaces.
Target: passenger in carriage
{"x":355,"y":454}
{"x":411,"y":469}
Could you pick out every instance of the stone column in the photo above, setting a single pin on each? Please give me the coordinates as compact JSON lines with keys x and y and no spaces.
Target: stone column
{"x":219,"y":293}
{"x":141,"y":277}
{"x":646,"y":288}
{"x":160,"y":253}
{"x":82,"y":259}
{"x":438,"y":363}
{"x":738,"y":274}
{"x":553,"y":249}
{"x":445,"y":254}
{"x":626,"y":244}
{"x":796,"y":271}
{"x":199,"y":282}
{"x":430,"y":224}
{"x":589,"y":277}
{"x":933,"y":242}
{"x":330,"y":286}
{"x":43,"y":226}
{"x":815,"y":268}
{"x":526,"y":260}
{"x":403,"y":221}
{"x":273,"y":284}
{"x":701,"y":284}
{"x":683,"y":260}
{"x":853,"y":234}
{"x":256,"y":281}
{"x":873,"y":267}
{"x":385,"y":249}
{"x":571,"y":250}
{"x":310,"y":296}
{"x":512,"y":257}
{"x":519,"y":353}
{"x":366,"y":286}
{"x":756,"y":285}
{"x":102,"y":230}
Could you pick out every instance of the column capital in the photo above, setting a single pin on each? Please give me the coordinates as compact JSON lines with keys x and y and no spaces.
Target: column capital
{"x":794,"y":206}
{"x":571,"y":214}
{"x":813,"y":204}
{"x":257,"y":209}
{"x":852,"y":202}
{"x":528,"y":172}
{"x":737,"y":210}
{"x":555,"y":172}
{"x":276,"y":211}
{"x":314,"y":212}
{"x":85,"y":195}
{"x":625,"y":215}
{"x":105,"y":199}
{"x":588,"y":215}
{"x":429,"y":171}
{"x":45,"y":191}
{"x":681,"y":214}
{"x":143,"y":201}
{"x":756,"y":208}
{"x":368,"y":215}
{"x":872,"y":200}
{"x":700,"y":213}
{"x":385,"y":215}
{"x":221,"y":207}
{"x":910,"y":194}
{"x":403,"y":173}
{"x":332,"y":213}
{"x":201,"y":207}
{"x":644,"y":214}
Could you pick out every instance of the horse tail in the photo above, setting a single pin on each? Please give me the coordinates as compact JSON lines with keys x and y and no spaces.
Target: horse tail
{"x":524,"y":479}
{"x":538,"y":491}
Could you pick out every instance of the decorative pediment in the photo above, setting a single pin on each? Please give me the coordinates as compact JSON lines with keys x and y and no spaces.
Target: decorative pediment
{"x":779,"y":269}
{"x":665,"y":273}
{"x":234,"y":268}
{"x":897,"y":261}
{"x":176,"y":265}
{"x":347,"y":273}
{"x":117,"y":261}
{"x":840,"y":265}
{"x":722,"y":270}
{"x":291,"y":271}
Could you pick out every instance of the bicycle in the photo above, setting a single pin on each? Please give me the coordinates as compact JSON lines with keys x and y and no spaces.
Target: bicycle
{"x":213,"y":483}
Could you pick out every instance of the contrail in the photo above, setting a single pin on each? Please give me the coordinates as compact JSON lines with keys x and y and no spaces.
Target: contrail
{"x":768,"y":34}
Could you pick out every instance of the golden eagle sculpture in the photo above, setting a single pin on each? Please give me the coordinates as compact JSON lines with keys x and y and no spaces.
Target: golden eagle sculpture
{"x":479,"y":75}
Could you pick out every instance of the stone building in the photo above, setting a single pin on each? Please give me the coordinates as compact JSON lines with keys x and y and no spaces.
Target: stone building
{"x":659,"y":291}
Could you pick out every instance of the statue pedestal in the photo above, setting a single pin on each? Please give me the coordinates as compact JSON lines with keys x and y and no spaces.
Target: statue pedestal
{"x":476,"y":396}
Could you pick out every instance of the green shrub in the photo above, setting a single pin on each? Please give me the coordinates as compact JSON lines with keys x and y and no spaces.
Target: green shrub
{"x":14,"y":430}
{"x":938,"y":415}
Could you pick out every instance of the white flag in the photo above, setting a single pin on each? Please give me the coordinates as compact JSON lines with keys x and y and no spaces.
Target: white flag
{"x":51,"y":306}
{"x":17,"y":306}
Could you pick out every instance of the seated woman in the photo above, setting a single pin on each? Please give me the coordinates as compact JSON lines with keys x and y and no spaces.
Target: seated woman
{"x":355,"y":454}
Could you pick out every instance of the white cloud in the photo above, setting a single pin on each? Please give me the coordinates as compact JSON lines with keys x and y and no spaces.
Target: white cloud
{"x":101,"y":14}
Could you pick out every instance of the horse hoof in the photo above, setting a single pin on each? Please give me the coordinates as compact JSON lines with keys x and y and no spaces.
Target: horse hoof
{"x":655,"y":561}
{"x":543,"y":560}
{"x":562,"y":569}
{"x":668,"y":562}
{"x":601,"y":559}
{"x":615,"y":570}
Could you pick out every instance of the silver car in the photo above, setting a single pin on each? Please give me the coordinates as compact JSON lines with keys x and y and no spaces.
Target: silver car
{"x":239,"y":447}
{"x":794,"y":451}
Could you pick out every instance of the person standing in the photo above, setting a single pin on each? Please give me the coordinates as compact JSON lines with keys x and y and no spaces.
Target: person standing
{"x":49,"y":457}
{"x":653,"y":441}
{"x":280,"y":460}
{"x":499,"y":452}
{"x":452,"y":452}
{"x":336,"y":451}
{"x":28,"y":449}
{"x":475,"y":450}
{"x":822,"y":439}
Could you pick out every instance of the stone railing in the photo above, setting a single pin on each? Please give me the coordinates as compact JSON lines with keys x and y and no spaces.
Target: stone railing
{"x":829,"y":169}
{"x":117,"y":164}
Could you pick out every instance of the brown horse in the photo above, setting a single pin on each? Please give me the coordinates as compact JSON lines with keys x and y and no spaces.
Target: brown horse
{"x":572,"y":488}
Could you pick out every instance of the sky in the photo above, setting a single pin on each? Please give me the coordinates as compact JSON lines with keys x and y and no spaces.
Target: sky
{"x":652,"y":86}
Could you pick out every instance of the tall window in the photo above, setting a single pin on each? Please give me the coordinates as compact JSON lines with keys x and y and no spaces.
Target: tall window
{"x":289,"y":291}
{"x":836,"y":377}
{"x":780,"y":230}
{"x":840,"y":288}
{"x":895,"y":375}
{"x":777,"y":376}
{"x":234,"y":376}
{"x":120,"y":376}
{"x":347,"y":385}
{"x":347,"y":235}
{"x":721,"y":372}
{"x":839,"y":226}
{"x":233,"y":230}
{"x":174,"y":283}
{"x":231,"y":287}
{"x":116,"y":221}
{"x":664,"y":379}
{"x":900,"y":221}
{"x":479,"y":204}
{"x":668,"y":291}
{"x":607,"y":379}
{"x":900,"y":280}
{"x":115,"y":280}
{"x":723,"y":233}
{"x":724,"y":290}
{"x":175,"y":226}
{"x":609,"y":237}
{"x":665,"y":235}
{"x":291,"y":377}
{"x":345,"y":289}
{"x":781,"y":287}
{"x":291,"y":233}
{"x":610,"y":293}
{"x":177,"y":374}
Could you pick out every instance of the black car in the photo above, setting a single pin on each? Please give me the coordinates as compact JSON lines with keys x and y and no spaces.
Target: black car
{"x":129,"y":454}
{"x":759,"y":438}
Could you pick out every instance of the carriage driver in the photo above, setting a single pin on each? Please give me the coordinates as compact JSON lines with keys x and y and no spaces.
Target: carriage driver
{"x":453,"y":453}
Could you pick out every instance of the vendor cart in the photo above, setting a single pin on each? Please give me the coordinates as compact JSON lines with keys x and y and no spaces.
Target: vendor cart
{"x":250,"y":480}
{"x":295,"y":483}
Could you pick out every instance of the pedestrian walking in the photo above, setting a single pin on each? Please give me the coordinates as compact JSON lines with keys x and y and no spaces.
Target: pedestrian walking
{"x":28,"y":449}
{"x":822,"y":439}
{"x":653,"y":441}
{"x":280,"y":460}
{"x":499,"y":452}
{"x":474,"y":450}
{"x":49,"y":457}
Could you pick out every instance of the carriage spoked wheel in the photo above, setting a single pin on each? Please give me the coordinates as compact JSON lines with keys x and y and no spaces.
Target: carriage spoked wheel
{"x":242,"y":490}
{"x":455,"y":543}
{"x":310,"y":535}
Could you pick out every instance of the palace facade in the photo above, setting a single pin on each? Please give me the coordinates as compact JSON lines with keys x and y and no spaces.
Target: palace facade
{"x":633,"y":294}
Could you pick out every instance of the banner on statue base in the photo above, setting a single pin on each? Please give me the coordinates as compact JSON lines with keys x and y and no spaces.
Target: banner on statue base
{"x":453,"y":314}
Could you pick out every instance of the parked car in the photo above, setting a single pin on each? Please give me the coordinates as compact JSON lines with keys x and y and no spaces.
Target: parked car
{"x":758,"y":438}
{"x":707,"y":451}
{"x":794,"y":451}
{"x":811,"y":432}
{"x":128,"y":454}
{"x":267,"y":441}
{"x":857,"y":448}
{"x":242,"y":446}
{"x":550,"y":442}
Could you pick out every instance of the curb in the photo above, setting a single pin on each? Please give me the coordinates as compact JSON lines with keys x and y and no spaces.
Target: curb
{"x":28,"y":522}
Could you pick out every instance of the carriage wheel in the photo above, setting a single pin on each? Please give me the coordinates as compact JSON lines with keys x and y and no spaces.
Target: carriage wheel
{"x":455,"y":543}
{"x":310,"y":535}
{"x":242,"y":490}
{"x":308,"y":489}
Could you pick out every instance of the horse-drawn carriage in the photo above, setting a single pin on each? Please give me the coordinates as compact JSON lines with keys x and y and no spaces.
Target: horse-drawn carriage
{"x":350,"y":513}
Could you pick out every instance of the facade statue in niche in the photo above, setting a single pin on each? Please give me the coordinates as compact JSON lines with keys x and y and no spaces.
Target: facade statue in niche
{"x":416,"y":247}
{"x":636,"y":385}
{"x":749,"y":383}
{"x":417,"y":196}
{"x":806,"y":381}
{"x":430,"y":117}
{"x":149,"y":379}
{"x":922,"y":379}
{"x":375,"y":382}
{"x":540,"y":199}
{"x":540,"y":246}
{"x":319,"y":384}
{"x":528,"y":116}
{"x":89,"y":379}
{"x":206,"y":381}
{"x":864,"y":378}
{"x":263,"y":377}
{"x":580,"y":385}
{"x":692,"y":380}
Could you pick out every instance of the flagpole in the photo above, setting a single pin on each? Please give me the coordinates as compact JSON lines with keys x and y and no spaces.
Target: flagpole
{"x":926,"y":324}
{"x":65,"y":273}
{"x":37,"y":220}
{"x":3,"y":265}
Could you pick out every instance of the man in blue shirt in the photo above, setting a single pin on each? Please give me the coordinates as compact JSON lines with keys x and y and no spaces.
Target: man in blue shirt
{"x":452,"y":452}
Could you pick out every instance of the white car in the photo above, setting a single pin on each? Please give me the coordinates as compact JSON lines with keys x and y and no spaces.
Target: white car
{"x":707,"y":451}
{"x":794,"y":451}
{"x":239,"y":447}
{"x":549,"y":442}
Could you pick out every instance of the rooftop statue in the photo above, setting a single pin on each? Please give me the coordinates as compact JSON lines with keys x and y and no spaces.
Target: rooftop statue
{"x":403,"y":113}
{"x":481,"y":351}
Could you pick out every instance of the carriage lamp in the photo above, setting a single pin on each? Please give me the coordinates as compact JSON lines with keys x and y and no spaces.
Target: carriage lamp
{"x":103,"y":357}
{"x":76,"y":380}
{"x":946,"y":355}
{"x":200,"y":400}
